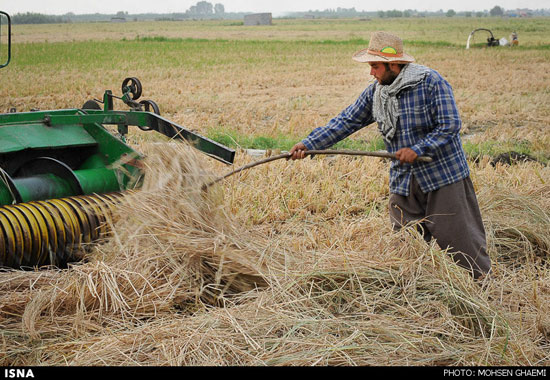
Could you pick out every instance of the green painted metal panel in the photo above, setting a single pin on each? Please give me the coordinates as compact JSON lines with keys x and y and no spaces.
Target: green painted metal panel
{"x":98,"y":181}
{"x":17,"y":138}
{"x":105,"y":163}
{"x":6,"y":197}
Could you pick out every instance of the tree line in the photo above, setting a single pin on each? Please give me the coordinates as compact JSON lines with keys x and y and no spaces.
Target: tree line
{"x":37,"y":18}
{"x":206,"y":10}
{"x":496,"y":11}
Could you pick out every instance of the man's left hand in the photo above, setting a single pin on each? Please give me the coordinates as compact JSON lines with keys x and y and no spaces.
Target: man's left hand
{"x":406,"y":155}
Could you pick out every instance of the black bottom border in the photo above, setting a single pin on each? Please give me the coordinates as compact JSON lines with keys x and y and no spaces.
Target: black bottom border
{"x":46,"y":372}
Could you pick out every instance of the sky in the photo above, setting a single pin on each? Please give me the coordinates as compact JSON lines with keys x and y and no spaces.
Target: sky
{"x":277,"y":7}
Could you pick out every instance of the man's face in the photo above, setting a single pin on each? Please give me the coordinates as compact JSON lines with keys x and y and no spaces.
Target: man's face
{"x":384,"y":74}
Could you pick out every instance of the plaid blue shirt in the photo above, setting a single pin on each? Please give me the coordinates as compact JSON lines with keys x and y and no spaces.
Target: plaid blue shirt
{"x":428,"y":123}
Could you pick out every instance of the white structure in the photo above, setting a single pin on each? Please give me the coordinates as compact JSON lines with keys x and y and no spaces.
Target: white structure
{"x":258,"y":19}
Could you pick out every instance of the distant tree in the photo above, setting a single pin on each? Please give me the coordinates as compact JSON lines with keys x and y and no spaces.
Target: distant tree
{"x":205,"y":8}
{"x":202,"y":8}
{"x":479,"y":14}
{"x":468,"y":14}
{"x":450,"y":13}
{"x":345,"y":10}
{"x":394,"y":13}
{"x":36,"y":18}
{"x":496,"y":11}
{"x":219,"y":9}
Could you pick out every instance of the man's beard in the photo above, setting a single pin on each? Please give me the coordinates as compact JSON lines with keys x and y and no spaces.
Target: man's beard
{"x":388,"y":78}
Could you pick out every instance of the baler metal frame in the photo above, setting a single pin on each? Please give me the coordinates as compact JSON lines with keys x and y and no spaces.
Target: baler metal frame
{"x":144,"y":120}
{"x":62,"y":171}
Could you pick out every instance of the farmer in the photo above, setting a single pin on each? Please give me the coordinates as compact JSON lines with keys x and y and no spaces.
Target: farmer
{"x":417,"y":116}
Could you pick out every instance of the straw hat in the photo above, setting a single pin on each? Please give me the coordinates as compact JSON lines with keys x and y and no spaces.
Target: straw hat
{"x":383,"y":47}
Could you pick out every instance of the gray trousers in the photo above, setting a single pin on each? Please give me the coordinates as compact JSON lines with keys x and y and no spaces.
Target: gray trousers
{"x":451,"y":216}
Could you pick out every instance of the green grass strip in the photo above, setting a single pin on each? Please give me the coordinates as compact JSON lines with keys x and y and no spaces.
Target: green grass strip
{"x":235,"y":140}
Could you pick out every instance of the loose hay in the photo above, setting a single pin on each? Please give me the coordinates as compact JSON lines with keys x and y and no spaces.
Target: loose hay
{"x":285,"y":280}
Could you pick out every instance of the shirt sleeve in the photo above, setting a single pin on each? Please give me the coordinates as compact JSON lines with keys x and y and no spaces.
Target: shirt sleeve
{"x":350,"y":120}
{"x":446,"y":117}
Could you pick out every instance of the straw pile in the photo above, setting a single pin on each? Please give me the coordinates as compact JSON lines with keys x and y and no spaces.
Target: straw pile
{"x":293,"y":263}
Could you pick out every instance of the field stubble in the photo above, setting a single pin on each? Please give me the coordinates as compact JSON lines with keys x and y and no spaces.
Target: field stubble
{"x":291,"y":263}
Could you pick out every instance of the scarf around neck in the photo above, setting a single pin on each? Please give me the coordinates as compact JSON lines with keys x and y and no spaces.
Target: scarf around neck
{"x":386,"y":105}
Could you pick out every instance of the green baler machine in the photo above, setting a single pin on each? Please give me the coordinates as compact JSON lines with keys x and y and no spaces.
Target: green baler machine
{"x":62,"y":171}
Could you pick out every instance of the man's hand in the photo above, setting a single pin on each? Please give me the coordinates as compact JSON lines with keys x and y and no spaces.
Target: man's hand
{"x":298,"y":151}
{"x":406,"y":155}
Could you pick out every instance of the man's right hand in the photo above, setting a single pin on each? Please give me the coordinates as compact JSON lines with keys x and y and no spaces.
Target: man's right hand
{"x":298,"y":151}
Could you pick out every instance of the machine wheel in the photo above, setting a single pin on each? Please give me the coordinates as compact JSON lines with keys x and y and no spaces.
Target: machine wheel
{"x":91,"y":105}
{"x":134,"y":85}
{"x":150,"y":106}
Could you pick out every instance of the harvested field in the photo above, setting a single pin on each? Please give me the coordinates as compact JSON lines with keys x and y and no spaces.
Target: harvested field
{"x":289,"y":263}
